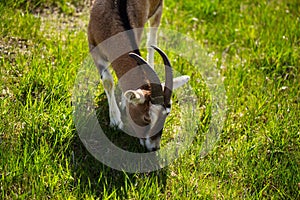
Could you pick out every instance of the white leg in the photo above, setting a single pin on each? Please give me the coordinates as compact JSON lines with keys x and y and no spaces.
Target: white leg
{"x":123,"y":102}
{"x":108,"y":83}
{"x":152,"y":35}
{"x":114,"y":112}
{"x":152,"y":40}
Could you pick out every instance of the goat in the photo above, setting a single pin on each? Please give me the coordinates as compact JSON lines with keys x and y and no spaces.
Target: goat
{"x":145,"y":99}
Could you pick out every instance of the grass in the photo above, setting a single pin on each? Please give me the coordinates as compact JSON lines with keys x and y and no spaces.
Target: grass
{"x":254,"y":44}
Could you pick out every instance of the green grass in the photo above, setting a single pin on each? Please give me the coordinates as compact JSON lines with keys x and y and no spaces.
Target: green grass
{"x":254,"y":44}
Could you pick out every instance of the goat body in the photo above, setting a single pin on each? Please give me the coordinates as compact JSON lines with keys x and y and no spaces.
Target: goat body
{"x":147,"y":103}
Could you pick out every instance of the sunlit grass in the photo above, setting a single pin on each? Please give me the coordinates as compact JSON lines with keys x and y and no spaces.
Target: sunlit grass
{"x":254,"y":45}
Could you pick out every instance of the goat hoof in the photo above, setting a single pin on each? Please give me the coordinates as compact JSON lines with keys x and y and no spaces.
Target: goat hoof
{"x":116,"y":124}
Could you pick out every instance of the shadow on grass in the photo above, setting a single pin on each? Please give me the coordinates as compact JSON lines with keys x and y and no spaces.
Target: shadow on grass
{"x":94,"y":178}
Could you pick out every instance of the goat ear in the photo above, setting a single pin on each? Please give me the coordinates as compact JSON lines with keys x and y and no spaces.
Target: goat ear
{"x":179,"y":81}
{"x":135,"y":96}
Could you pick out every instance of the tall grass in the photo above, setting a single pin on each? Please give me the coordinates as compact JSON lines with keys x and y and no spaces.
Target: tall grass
{"x":254,"y":45}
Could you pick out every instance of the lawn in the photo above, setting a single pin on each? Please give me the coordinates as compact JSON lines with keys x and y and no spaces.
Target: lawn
{"x":253,"y":45}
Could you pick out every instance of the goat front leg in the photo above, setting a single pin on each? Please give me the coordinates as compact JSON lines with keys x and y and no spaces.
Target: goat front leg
{"x":114,"y":112}
{"x":152,"y":35}
{"x":108,"y":84}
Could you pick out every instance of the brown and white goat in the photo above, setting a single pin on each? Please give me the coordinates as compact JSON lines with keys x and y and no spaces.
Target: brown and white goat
{"x":146,"y":100}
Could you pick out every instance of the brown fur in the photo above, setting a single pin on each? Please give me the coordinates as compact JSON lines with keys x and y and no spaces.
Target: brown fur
{"x":105,"y":22}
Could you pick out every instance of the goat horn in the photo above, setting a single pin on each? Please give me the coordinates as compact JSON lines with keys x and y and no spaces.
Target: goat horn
{"x":169,"y":77}
{"x":157,"y":96}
